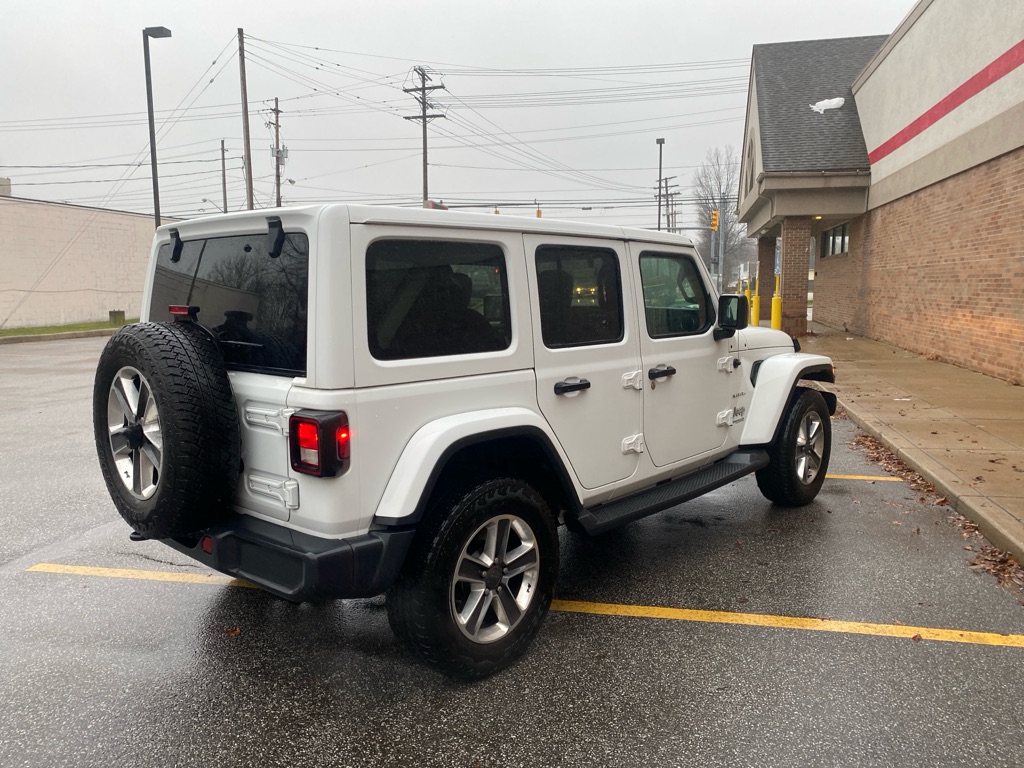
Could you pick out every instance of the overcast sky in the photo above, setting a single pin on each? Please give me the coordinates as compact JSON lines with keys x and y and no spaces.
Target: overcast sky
{"x":578,"y":135}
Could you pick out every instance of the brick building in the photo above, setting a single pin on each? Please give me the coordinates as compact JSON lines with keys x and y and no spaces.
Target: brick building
{"x":894,"y":167}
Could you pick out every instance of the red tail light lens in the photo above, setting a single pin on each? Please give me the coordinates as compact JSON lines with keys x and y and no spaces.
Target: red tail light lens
{"x":308,"y":434}
{"x":320,"y":442}
{"x":343,"y":438}
{"x":182,"y":312}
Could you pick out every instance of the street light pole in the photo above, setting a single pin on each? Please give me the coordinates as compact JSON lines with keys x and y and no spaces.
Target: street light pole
{"x":147,"y":33}
{"x":661,"y":146}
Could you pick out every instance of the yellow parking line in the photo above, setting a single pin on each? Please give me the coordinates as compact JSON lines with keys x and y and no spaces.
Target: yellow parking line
{"x":612,"y":609}
{"x":790,"y":622}
{"x":128,"y":573}
{"x":881,"y":478}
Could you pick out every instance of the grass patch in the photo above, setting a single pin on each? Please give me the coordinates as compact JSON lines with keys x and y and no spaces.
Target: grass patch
{"x":42,"y":330}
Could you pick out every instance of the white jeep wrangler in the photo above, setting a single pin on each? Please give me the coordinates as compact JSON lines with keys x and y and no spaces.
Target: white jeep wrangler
{"x":338,"y":401}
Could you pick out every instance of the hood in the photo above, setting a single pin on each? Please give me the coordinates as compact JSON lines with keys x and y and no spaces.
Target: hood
{"x":754,"y":337}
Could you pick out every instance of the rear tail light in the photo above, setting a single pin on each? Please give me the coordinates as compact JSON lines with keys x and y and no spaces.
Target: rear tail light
{"x":320,"y":442}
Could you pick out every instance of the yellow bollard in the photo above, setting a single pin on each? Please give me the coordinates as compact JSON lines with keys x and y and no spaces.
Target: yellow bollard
{"x":777,"y":307}
{"x":755,"y":303}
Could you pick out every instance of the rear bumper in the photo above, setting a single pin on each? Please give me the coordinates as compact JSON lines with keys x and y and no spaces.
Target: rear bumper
{"x":297,"y":566}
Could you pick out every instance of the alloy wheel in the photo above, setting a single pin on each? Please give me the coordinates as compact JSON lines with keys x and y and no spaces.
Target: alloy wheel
{"x":495,"y":579}
{"x":136,"y":440}
{"x":810,"y":447}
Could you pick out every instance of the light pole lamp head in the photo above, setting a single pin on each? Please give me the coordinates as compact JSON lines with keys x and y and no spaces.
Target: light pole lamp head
{"x":659,"y":141}
{"x":156,"y":32}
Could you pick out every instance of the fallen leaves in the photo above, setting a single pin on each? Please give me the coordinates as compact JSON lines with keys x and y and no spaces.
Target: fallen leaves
{"x":1002,"y":565}
{"x":967,"y":527}
{"x":233,"y":632}
{"x":887,"y":460}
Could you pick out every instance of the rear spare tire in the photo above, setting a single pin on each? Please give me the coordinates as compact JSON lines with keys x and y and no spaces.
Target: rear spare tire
{"x":166,"y":428}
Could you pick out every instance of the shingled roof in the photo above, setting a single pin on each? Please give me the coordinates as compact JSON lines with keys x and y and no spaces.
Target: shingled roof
{"x":790,"y":77}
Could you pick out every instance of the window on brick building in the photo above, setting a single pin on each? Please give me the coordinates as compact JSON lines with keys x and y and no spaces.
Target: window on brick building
{"x":835,"y":241}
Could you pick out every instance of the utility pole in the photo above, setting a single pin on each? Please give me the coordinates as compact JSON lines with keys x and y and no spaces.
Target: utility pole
{"x":423,"y":116}
{"x":277,"y":151}
{"x":224,"y":174}
{"x":245,"y":120}
{"x":668,"y":198}
{"x":721,"y":240}
{"x":661,"y":146}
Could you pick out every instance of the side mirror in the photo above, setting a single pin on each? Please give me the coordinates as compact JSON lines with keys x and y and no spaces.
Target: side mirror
{"x":733,"y":315}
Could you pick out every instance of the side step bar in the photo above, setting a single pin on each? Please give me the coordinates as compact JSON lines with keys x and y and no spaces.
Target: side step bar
{"x":607,"y":517}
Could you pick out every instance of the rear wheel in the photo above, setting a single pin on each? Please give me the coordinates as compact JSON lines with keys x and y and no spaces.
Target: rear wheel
{"x":478,"y":581}
{"x":798,"y":459}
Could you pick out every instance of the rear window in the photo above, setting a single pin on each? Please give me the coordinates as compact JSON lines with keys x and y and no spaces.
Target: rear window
{"x":255,"y":304}
{"x":580,"y":294}
{"x":429,"y":298}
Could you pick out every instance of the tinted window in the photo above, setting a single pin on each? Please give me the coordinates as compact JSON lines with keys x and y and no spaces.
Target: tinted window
{"x":255,"y":304}
{"x":675,"y":302}
{"x":427,"y":298}
{"x":580,"y":295}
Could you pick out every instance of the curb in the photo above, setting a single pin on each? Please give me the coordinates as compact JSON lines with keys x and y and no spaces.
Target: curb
{"x":996,"y":525}
{"x":58,"y":336}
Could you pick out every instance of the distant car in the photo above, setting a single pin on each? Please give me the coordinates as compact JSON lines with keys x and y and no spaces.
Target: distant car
{"x":340,"y":401}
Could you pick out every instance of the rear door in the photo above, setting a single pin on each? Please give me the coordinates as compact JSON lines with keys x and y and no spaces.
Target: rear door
{"x":256,"y":306}
{"x":585,"y":347}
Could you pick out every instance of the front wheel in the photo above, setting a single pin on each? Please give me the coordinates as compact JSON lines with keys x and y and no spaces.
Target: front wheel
{"x":478,"y":581}
{"x":798,"y":459}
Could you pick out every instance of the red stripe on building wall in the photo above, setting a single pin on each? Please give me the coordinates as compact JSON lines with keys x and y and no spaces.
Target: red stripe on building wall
{"x":1001,"y":67}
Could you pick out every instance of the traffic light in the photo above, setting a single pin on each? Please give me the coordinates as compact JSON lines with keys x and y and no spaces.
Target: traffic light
{"x":714,"y":221}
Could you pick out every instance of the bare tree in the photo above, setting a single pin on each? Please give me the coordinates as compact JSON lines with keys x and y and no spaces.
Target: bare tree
{"x":715,"y":185}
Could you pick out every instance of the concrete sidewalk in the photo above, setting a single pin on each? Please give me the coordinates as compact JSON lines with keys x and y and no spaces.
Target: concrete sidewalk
{"x":962,"y":431}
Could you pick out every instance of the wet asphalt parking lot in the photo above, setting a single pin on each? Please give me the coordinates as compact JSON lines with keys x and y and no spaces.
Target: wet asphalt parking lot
{"x":694,"y":637}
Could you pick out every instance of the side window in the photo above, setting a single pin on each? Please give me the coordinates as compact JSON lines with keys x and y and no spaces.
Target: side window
{"x":428,"y":298}
{"x":675,"y":301}
{"x":580,"y":294}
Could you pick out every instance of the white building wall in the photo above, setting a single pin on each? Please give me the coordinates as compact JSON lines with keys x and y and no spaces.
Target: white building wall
{"x":67,"y":264}
{"x":940,"y":46}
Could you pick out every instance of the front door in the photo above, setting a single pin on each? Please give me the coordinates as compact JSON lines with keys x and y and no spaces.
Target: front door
{"x":588,"y":368}
{"x":687,"y":373}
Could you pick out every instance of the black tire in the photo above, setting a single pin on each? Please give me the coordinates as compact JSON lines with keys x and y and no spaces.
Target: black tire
{"x":441,"y":571}
{"x":166,"y":428}
{"x":798,"y":459}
